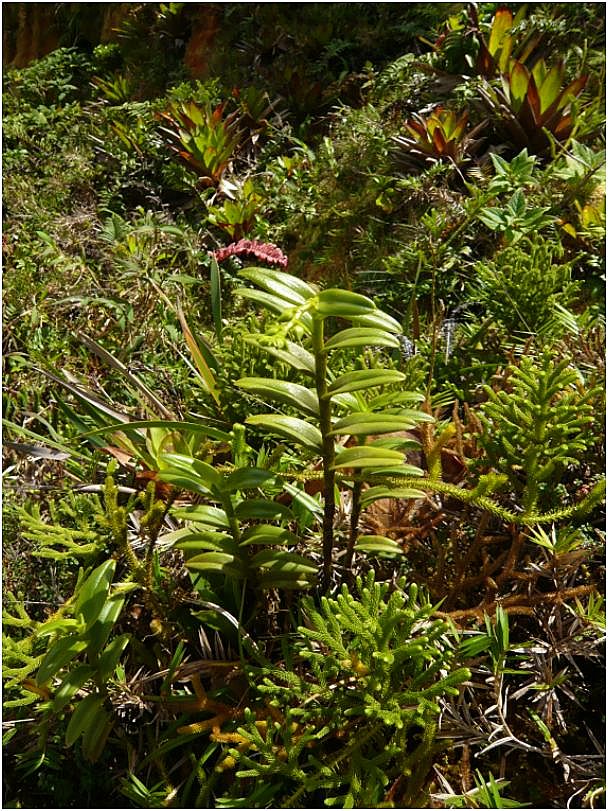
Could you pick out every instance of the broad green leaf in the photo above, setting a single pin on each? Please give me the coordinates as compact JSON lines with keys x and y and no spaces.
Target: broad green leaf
{"x":285,"y":562}
{"x":378,"y":319}
{"x":198,"y":542}
{"x":361,"y":336}
{"x":517,"y":203}
{"x":97,"y":635}
{"x":246,"y":478}
{"x":295,"y":429}
{"x":94,"y":592}
{"x":366,"y":456}
{"x":283,"y":392}
{"x":396,"y":443}
{"x":217,"y":562}
{"x":304,"y":500}
{"x":59,"y":654}
{"x":84,"y":714}
{"x":378,"y":543}
{"x":175,"y":466}
{"x":204,"y":514}
{"x":401,"y":470}
{"x":364,"y":379}
{"x":277,"y":580}
{"x":348,"y":401}
{"x":501,"y":25}
{"x":343,"y":303}
{"x":396,"y":398}
{"x":279,"y":284}
{"x":267,"y":534}
{"x":380,"y":492}
{"x":111,"y":657}
{"x":262,"y":509}
{"x":63,"y":624}
{"x":492,"y":218}
{"x":278,"y":305}
{"x":95,"y":734}
{"x":550,"y":87}
{"x":364,"y":424}
{"x":183,"y":481}
{"x":295,"y":355}
{"x":518,"y":84}
{"x":72,"y":682}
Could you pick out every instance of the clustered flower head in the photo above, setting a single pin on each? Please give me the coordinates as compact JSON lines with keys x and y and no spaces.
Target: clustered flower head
{"x":264,"y":251}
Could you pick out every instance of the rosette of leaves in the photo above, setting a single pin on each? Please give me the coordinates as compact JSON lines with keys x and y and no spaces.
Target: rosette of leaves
{"x":532,"y":100}
{"x":341,"y":417}
{"x":501,"y":45}
{"x":441,"y":137}
{"x":203,"y":138}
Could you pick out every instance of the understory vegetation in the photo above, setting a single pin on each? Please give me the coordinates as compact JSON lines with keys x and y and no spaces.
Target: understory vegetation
{"x":304,"y":407}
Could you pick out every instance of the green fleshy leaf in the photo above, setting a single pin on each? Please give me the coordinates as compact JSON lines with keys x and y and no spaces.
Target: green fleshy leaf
{"x":203,"y":513}
{"x":177,"y":468}
{"x":263,"y":509}
{"x":366,"y":456}
{"x":361,"y":336}
{"x":217,"y":562}
{"x":59,"y":655}
{"x":295,"y":429}
{"x":366,"y":423}
{"x":378,"y":319}
{"x":267,"y":534}
{"x":295,"y":355}
{"x":378,"y":543}
{"x":72,"y":682}
{"x":343,"y":304}
{"x":279,"y":284}
{"x":83,"y":716}
{"x":246,"y":478}
{"x":94,"y":592}
{"x":364,"y":379}
{"x":287,"y":563}
{"x":283,"y":392}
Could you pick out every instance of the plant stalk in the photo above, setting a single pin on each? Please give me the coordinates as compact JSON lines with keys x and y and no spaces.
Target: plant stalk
{"x":328,"y":452}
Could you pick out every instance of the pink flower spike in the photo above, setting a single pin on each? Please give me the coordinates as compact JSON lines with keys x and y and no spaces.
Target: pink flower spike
{"x":264,"y":251}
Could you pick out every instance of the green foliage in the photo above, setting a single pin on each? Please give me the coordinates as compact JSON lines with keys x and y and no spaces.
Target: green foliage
{"x":60,"y":78}
{"x":237,"y":217}
{"x":486,"y":794}
{"x":359,"y":709}
{"x":512,"y":175}
{"x":305,"y":312}
{"x":521,"y":287}
{"x":538,"y":426}
{"x":373,"y":443}
{"x":515,"y":219}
